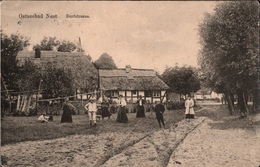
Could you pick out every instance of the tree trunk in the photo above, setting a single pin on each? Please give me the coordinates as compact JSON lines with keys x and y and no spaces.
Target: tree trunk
{"x":246,"y":98}
{"x":256,"y":101}
{"x":242,"y":103}
{"x":232,"y":99}
{"x":230,"y":105}
{"x":48,"y":108}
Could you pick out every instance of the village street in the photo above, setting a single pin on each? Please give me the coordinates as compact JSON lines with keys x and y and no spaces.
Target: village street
{"x":90,"y":83}
{"x":197,"y":142}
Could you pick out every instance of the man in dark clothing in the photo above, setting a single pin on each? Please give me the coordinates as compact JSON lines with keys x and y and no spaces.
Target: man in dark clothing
{"x":159,"y":110}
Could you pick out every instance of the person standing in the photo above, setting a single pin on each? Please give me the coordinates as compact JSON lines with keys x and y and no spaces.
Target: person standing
{"x":189,"y":111}
{"x":159,"y":110}
{"x":121,"y":115}
{"x":140,"y":108}
{"x":66,"y":115}
{"x":104,"y":105}
{"x":91,"y":107}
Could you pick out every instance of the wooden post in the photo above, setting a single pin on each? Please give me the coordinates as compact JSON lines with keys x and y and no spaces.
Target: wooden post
{"x":29,"y":104}
{"x":18,"y":102}
{"x":38,"y":94}
{"x":25,"y":103}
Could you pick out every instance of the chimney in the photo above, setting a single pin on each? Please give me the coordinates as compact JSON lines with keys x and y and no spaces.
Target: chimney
{"x":128,"y":68}
{"x":37,"y":53}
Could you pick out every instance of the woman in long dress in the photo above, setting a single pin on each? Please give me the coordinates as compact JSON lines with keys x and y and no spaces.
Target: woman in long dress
{"x":140,"y":108}
{"x":104,"y":105}
{"x":121,"y":115}
{"x":67,"y":111}
{"x":189,"y":104}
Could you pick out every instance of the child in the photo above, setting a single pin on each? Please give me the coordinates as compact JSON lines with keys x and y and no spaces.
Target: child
{"x":43,"y":119}
{"x":91,"y":107}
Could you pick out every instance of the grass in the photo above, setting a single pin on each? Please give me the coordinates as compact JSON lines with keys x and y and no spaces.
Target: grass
{"x":20,"y":129}
{"x":224,"y":120}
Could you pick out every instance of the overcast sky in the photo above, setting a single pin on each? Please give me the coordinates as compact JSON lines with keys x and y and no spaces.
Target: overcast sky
{"x":142,"y":34}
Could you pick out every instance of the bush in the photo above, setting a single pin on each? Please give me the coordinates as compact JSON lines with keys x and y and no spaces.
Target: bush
{"x":177,"y":105}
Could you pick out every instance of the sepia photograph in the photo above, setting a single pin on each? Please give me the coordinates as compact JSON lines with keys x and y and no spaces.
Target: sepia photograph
{"x":130,"y":84}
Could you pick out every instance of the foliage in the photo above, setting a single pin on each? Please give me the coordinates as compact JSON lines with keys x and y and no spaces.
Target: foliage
{"x":56,"y":82}
{"x":181,"y":79}
{"x":48,"y":43}
{"x":52,"y":43}
{"x":229,"y":54}
{"x":66,"y":46}
{"x":10,"y":46}
{"x":105,"y":61}
{"x":176,"y":105}
{"x":29,"y":77}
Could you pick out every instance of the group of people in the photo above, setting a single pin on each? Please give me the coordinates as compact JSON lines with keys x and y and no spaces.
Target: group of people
{"x":92,"y":108}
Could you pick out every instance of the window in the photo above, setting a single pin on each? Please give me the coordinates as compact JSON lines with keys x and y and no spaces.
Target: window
{"x":114,"y":93}
{"x":156,"y":93}
{"x":148,"y":93}
{"x":134,"y":92}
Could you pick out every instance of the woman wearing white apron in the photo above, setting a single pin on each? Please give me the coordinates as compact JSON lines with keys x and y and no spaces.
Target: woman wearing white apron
{"x":189,"y":104}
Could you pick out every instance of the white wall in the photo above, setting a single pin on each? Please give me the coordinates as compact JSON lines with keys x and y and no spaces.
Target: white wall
{"x":128,"y":93}
{"x":163,"y":92}
{"x":122,"y":93}
{"x":141,"y":93}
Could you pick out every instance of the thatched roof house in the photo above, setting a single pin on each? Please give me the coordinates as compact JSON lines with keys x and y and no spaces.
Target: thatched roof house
{"x":84,"y":73}
{"x":132,"y":83}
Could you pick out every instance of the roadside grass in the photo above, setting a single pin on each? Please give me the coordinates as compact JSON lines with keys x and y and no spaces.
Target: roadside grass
{"x":224,"y":120}
{"x":21,"y":129}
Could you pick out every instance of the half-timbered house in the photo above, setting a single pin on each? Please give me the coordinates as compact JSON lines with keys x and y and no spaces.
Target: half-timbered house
{"x":132,"y":83}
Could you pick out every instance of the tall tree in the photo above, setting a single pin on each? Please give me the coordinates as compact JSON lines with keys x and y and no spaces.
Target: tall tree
{"x":66,"y":46}
{"x":29,"y":79}
{"x":48,"y":44}
{"x":10,"y":46}
{"x":181,"y":79}
{"x":57,"y":82}
{"x":105,"y":61}
{"x":229,"y":54}
{"x":53,"y":44}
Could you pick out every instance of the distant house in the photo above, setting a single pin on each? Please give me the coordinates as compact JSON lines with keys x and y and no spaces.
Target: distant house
{"x":131,"y":83}
{"x":85,"y":75}
{"x":207,"y":94}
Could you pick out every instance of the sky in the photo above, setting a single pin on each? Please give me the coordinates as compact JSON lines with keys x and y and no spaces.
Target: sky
{"x":143,"y":34}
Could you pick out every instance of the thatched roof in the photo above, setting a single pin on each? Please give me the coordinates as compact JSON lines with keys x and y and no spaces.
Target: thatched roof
{"x":130,"y":79}
{"x":83,"y":71}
